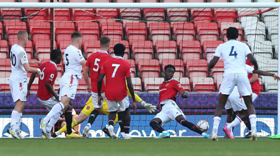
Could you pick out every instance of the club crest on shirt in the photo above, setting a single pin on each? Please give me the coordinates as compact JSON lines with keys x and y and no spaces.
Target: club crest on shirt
{"x":20,"y":86}
{"x":167,"y":84}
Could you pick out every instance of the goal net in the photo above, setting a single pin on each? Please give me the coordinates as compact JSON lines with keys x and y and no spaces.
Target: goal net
{"x":153,"y":37}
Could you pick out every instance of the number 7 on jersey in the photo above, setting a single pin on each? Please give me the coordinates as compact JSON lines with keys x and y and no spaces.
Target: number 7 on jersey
{"x":115,"y":70}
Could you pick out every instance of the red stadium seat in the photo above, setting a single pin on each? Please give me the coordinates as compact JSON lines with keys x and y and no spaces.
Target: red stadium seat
{"x":124,"y":42}
{"x":83,"y":14}
{"x":91,"y":45}
{"x":207,"y":28}
{"x":137,"y":85}
{"x":62,"y":15}
{"x":218,"y":77}
{"x":5,"y":64}
{"x":154,"y":14}
{"x":183,"y":31}
{"x":43,"y":48}
{"x":152,"y":84}
{"x":4,"y":49}
{"x":39,"y":27}
{"x":210,"y":48}
{"x":13,"y":27}
{"x":64,"y":27}
{"x":129,"y":13}
{"x":5,"y":74}
{"x":166,"y":50}
{"x":41,"y":14}
{"x":148,"y":68}
{"x":190,"y":50}
{"x":63,"y":37}
{"x":114,"y":30}
{"x":148,"y":1}
{"x":159,"y":31}
{"x":176,"y":14}
{"x":203,"y":85}
{"x":89,"y":30}
{"x":196,"y":68}
{"x":133,"y":69}
{"x":136,"y":30}
{"x":10,"y":13}
{"x":185,"y":83}
{"x":178,"y":64}
{"x":219,"y":67}
{"x":142,"y":49}
{"x":63,"y":45}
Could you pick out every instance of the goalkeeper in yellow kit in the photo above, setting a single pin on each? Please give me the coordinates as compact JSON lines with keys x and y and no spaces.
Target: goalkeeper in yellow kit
{"x":88,"y":108}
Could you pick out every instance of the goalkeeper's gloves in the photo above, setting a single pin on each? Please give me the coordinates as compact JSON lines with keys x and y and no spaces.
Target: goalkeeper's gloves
{"x":38,"y":71}
{"x":151,"y":108}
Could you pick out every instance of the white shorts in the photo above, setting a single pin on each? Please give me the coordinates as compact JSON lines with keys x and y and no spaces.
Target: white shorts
{"x":236,"y":79}
{"x":236,"y":102}
{"x":18,"y":90}
{"x":68,"y":86}
{"x":95,"y":99}
{"x":169,"y":111}
{"x":116,"y":105}
{"x":49,"y":103}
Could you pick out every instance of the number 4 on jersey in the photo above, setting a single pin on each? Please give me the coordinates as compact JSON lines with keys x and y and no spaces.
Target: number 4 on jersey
{"x":233,"y":53}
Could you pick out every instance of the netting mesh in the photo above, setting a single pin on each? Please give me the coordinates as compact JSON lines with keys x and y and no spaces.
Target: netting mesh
{"x":184,"y":37}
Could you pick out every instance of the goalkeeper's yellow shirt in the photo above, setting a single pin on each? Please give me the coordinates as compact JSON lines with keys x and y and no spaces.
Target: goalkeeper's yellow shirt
{"x":89,"y":105}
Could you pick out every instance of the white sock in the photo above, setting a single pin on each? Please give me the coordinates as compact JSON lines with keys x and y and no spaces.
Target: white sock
{"x":53,"y":120}
{"x":88,"y":125}
{"x":235,"y":122}
{"x":231,"y":132}
{"x":54,"y":111}
{"x":253,"y":121}
{"x":216,"y":124}
{"x":16,"y":120}
{"x":57,"y":133}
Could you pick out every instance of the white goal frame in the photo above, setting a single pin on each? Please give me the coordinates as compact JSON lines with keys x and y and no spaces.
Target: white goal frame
{"x":157,"y":5}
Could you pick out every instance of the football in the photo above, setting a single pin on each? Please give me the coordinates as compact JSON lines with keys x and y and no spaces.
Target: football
{"x":203,"y":125}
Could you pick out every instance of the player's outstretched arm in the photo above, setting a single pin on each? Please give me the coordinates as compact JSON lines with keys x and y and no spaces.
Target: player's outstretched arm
{"x":212,"y":63}
{"x":253,"y":61}
{"x":31,"y":69}
{"x":85,"y":74}
{"x":183,"y":94}
{"x":99,"y":86}
{"x":50,"y":89}
{"x":264,"y":73}
{"x":131,"y":90}
{"x":31,"y":80}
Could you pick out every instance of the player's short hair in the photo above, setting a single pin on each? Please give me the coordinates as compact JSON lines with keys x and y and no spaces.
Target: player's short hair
{"x":169,"y":66}
{"x":119,"y":49}
{"x":75,"y":35}
{"x":232,"y":33}
{"x":55,"y":53}
{"x":21,"y":33}
{"x":104,"y":41}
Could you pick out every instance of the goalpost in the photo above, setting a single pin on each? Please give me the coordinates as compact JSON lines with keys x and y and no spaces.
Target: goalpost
{"x":155,"y":34}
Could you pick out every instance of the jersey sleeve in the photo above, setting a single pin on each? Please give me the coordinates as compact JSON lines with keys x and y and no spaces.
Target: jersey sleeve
{"x":218,"y":52}
{"x":79,"y":56}
{"x":103,"y":70}
{"x":51,"y":74}
{"x":178,"y":86}
{"x":249,"y":69}
{"x":23,"y":57}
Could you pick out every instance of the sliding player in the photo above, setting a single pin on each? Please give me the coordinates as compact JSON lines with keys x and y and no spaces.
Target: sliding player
{"x":235,"y":103}
{"x":116,"y":70}
{"x":74,"y":61}
{"x":18,"y":84}
{"x":167,"y":104}
{"x":234,"y":54}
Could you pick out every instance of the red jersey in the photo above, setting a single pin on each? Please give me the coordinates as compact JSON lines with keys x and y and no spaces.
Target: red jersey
{"x":95,"y":62}
{"x":255,"y":85}
{"x":48,"y":73}
{"x":169,"y":89}
{"x":116,"y":70}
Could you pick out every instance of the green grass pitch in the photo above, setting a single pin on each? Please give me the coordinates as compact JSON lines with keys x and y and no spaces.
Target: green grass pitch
{"x":140,"y":147}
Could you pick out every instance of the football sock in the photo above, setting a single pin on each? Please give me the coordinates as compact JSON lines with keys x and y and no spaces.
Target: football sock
{"x":16,"y":118}
{"x":111,"y":122}
{"x":235,"y":122}
{"x":253,"y":121}
{"x":64,"y":129}
{"x":190,"y":126}
{"x":68,"y":118}
{"x":216,"y":124}
{"x":112,"y":117}
{"x":247,"y":123}
{"x":93,"y":116}
{"x":55,"y":110}
{"x":126,"y":128}
{"x":156,"y":126}
{"x":121,"y":123}
{"x":53,"y":120}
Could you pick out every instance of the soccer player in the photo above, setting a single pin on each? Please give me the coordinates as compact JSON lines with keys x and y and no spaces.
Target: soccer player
{"x":93,"y":65}
{"x":74,"y":61}
{"x":235,"y":103}
{"x":234,"y":55}
{"x":88,"y":108}
{"x":169,"y":109}
{"x":18,"y":84}
{"x":116,"y":70}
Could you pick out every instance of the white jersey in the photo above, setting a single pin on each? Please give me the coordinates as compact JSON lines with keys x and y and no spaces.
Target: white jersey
{"x":249,"y":69}
{"x":72,"y":58}
{"x":234,"y":54}
{"x":18,"y":58}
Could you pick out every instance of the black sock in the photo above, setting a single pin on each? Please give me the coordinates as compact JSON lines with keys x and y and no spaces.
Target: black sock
{"x":121,"y":122}
{"x":126,"y":128}
{"x":93,"y":116}
{"x":56,"y":126}
{"x":68,"y":118}
{"x":112,"y":117}
{"x":191,"y":126}
{"x":248,"y":123}
{"x":156,"y":126}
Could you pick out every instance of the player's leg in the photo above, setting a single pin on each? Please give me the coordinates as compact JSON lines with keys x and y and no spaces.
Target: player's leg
{"x":124,"y":118}
{"x":245,"y":91}
{"x":247,"y":120}
{"x":113,"y":107}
